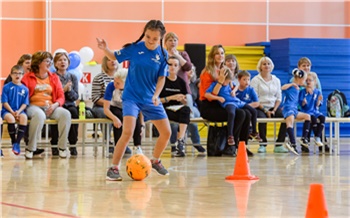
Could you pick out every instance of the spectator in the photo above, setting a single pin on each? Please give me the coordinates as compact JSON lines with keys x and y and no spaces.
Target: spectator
{"x":46,"y":99}
{"x":212,"y":110}
{"x":71,"y":93}
{"x":268,"y":88}
{"x":15,"y":100}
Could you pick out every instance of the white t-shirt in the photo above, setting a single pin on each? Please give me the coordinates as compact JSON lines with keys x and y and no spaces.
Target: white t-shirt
{"x":268,"y":92}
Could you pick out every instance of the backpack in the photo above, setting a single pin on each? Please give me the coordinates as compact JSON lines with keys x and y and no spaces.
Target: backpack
{"x":337,"y":101}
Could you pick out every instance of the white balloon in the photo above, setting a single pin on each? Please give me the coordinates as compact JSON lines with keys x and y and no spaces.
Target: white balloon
{"x":81,"y":67}
{"x":81,"y":89}
{"x":61,"y":50}
{"x":77,"y":72}
{"x":86,"y":54}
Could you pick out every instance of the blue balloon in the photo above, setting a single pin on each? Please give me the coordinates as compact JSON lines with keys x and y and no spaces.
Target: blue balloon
{"x":52,"y":68}
{"x":74,"y":60}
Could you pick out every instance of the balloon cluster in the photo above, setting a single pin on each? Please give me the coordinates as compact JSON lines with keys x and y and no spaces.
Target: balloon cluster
{"x":77,"y":62}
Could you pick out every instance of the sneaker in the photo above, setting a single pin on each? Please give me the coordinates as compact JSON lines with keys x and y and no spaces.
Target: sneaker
{"x":255,"y":136}
{"x":54,"y":151}
{"x":111,"y":150}
{"x":16,"y":148}
{"x":38,"y":151}
{"x":137,"y":150}
{"x":305,"y":149}
{"x":292,"y":148}
{"x":127,"y":150}
{"x":158,"y":167}
{"x":62,"y":153}
{"x":280,"y":149}
{"x":200,"y":149}
{"x":113,"y":174}
{"x":326,"y":148}
{"x":231,"y":141}
{"x":180,"y":148}
{"x":73,"y":151}
{"x":304,"y":142}
{"x":230,"y":151}
{"x":29,"y":154}
{"x":249,"y":153}
{"x":262,"y":149}
{"x":318,"y":142}
{"x":173,"y":150}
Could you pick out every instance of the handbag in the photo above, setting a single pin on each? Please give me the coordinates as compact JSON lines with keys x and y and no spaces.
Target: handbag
{"x":217,"y":139}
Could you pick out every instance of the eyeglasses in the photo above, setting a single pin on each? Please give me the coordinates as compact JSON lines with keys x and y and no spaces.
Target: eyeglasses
{"x":48,"y":61}
{"x":17,"y":74}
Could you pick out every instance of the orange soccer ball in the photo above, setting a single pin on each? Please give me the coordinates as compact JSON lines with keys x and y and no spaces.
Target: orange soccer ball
{"x":138,"y":167}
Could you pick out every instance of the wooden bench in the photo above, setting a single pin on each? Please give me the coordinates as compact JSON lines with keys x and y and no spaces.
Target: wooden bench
{"x":331,"y":120}
{"x":103,"y":121}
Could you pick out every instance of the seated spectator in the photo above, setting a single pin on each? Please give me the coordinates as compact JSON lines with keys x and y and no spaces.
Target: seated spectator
{"x":46,"y":99}
{"x":71,"y":94}
{"x":248,"y":95}
{"x":23,"y":61}
{"x":99,"y":84}
{"x":310,"y":100}
{"x":212,"y":110}
{"x":232,"y":63}
{"x":15,"y":100}
{"x":290,"y":111}
{"x":173,"y":97}
{"x":192,"y":127}
{"x":268,"y":88}
{"x":113,"y":109}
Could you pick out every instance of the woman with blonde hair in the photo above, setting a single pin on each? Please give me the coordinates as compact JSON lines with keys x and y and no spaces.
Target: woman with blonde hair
{"x":268,"y":88}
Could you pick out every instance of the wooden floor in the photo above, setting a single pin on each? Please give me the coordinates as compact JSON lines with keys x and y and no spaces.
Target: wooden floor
{"x":196,"y":186}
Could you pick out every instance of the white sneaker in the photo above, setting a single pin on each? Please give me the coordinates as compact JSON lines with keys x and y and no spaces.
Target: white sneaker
{"x":137,"y":150}
{"x":28,"y":154}
{"x":318,"y":141}
{"x":62,"y":153}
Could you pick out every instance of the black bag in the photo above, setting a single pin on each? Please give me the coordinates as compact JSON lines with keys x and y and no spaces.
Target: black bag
{"x":217,"y":139}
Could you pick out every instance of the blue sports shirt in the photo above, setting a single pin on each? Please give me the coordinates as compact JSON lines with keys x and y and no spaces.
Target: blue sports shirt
{"x":146,"y":66}
{"x":310,"y":107}
{"x":15,"y":96}
{"x":248,"y":95}
{"x":225,"y":92}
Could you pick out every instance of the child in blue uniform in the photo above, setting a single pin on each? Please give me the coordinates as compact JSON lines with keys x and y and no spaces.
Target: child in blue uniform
{"x":145,"y":80}
{"x":290,"y":110}
{"x":310,"y":100}
{"x":247,"y":94}
{"x":228,"y":101}
{"x":15,"y":99}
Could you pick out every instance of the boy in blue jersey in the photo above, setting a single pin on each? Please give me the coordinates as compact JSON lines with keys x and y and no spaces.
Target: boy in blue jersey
{"x":310,"y":100}
{"x":290,"y":111}
{"x":15,"y":98}
{"x":248,"y":95}
{"x":145,"y":81}
{"x":228,"y":101}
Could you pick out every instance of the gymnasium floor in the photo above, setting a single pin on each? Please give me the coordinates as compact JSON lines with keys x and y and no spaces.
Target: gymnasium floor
{"x":196,"y":187}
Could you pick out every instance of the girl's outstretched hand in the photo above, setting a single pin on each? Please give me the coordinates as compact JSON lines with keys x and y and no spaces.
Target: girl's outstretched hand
{"x":155,"y":100}
{"x":101,"y":43}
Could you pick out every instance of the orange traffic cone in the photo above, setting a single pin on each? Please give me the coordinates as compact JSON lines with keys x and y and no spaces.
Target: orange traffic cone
{"x":242,"y":189}
{"x":316,"y":206}
{"x":242,"y":171}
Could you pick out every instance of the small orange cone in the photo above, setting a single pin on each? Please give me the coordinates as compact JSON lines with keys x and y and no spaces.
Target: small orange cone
{"x":242,"y":189}
{"x":316,"y":206}
{"x":242,"y":171}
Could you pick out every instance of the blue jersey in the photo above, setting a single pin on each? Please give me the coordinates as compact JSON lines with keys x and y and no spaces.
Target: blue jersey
{"x":290,"y":98}
{"x":146,"y":66}
{"x":311,"y":101}
{"x":248,"y":95}
{"x":225,"y":92}
{"x":15,"y":96}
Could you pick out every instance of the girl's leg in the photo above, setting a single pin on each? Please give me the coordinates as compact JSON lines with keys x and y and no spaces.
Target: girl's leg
{"x":291,"y":145}
{"x":231,"y":112}
{"x":313,"y":124}
{"x":163,"y":127}
{"x":320,"y":125}
{"x":306,"y":126}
